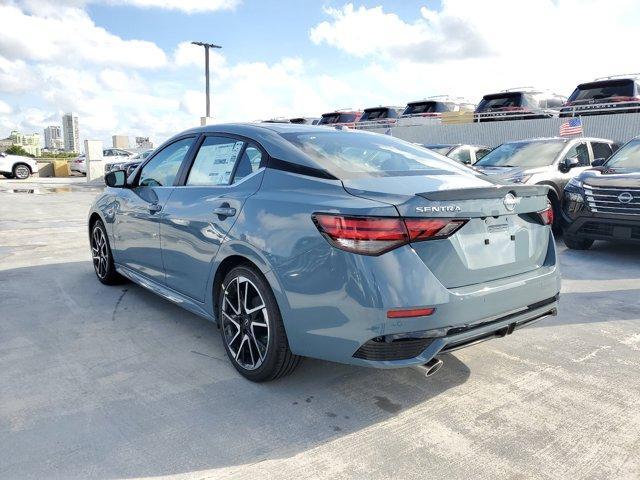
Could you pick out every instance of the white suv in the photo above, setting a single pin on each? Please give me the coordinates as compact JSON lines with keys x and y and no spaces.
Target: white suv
{"x":16,"y":166}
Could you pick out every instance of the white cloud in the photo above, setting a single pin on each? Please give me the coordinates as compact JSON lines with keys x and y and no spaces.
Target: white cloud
{"x":188,"y":6}
{"x":5,"y":108}
{"x":120,"y":81}
{"x":371,"y":31}
{"x":15,"y":76}
{"x":69,"y":36}
{"x":469,"y":48}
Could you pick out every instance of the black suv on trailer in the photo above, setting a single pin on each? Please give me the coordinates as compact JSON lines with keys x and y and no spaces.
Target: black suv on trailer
{"x":603,"y":203}
{"x":604,"y":97}
{"x":518,"y":105}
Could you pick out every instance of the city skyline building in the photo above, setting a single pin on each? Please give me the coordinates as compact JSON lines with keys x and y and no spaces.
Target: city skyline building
{"x":120,"y":141}
{"x":71,"y":132}
{"x":53,"y":137}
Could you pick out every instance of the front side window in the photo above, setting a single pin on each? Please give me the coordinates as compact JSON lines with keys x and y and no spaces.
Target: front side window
{"x":162,"y":169}
{"x":627,"y":157}
{"x":215,"y":161}
{"x":580,"y":152}
{"x":523,"y":154}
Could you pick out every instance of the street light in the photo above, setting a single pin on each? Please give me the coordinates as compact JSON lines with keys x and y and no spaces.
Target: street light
{"x":207,"y":46}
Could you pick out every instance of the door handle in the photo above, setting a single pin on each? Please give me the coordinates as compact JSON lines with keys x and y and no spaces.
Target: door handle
{"x":154,"y":208}
{"x":224,"y":211}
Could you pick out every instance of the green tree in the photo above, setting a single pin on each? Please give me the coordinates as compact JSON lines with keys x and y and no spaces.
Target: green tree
{"x":18,"y":150}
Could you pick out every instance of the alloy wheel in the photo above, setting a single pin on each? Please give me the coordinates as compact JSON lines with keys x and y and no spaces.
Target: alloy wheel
{"x":21,"y":172}
{"x":245,"y":323}
{"x":99,"y":252}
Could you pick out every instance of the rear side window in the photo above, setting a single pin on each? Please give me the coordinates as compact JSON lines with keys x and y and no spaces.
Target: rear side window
{"x":601,"y":150}
{"x":579,"y":151}
{"x":602,"y":90}
{"x":215,"y":161}
{"x":250,"y":162}
{"x":162,"y":169}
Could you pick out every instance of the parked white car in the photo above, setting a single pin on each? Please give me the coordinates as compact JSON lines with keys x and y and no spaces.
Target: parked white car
{"x":79,"y":164}
{"x":16,"y":166}
{"x":110,"y":156}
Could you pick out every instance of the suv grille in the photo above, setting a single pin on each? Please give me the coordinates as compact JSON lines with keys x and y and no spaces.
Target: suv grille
{"x":622,"y":201}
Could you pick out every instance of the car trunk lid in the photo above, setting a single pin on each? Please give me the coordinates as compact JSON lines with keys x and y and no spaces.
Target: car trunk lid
{"x":502,"y":237}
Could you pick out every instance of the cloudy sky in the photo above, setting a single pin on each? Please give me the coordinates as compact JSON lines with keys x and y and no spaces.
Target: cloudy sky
{"x":127,"y":67}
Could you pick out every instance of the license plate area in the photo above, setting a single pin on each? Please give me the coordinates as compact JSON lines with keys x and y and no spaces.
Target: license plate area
{"x":492,"y":242}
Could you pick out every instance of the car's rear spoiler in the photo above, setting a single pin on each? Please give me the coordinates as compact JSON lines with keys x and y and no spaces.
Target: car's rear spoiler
{"x":486,"y":192}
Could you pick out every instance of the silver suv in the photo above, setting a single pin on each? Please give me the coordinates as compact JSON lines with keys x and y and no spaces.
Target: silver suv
{"x":545,"y":161}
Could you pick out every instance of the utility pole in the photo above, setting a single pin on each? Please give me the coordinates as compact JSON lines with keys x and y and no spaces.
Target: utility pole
{"x":207,"y":46}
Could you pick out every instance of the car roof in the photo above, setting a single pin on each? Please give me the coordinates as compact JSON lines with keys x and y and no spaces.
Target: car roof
{"x":268,"y":135}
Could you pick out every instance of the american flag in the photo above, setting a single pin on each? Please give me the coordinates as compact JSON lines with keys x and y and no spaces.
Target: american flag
{"x":572,"y":127}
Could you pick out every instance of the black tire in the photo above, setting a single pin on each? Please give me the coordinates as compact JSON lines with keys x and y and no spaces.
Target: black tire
{"x":577,"y":243}
{"x":21,"y":171}
{"x":102,"y":257}
{"x":242,"y":333}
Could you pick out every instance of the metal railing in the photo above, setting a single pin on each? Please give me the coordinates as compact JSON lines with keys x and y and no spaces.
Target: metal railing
{"x":614,"y":121}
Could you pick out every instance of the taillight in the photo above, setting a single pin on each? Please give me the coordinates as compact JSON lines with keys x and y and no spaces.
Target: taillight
{"x":376,"y":235}
{"x":546,"y":215}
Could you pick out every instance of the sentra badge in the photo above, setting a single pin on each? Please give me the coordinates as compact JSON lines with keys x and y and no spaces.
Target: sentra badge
{"x":439,"y":209}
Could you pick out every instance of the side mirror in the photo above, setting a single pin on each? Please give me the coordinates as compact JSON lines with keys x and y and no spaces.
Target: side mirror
{"x":569,"y":163}
{"x":598,"y":162}
{"x":2,"y":154}
{"x":116,"y":179}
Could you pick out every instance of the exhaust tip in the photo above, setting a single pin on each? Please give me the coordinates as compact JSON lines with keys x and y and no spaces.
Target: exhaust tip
{"x":431,"y":367}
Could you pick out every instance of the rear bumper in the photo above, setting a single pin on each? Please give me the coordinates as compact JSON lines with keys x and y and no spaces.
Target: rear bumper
{"x":435,"y":342}
{"x":344,"y":316}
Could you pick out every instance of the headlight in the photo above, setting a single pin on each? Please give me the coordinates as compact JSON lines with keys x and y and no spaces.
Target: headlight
{"x":521,"y":179}
{"x":113,"y":166}
{"x":575,"y":183}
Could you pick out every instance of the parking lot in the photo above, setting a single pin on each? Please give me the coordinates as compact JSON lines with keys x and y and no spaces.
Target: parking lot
{"x":114,"y":382}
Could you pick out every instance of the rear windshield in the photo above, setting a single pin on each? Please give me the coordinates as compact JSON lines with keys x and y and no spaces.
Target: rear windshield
{"x":516,"y":99}
{"x":606,"y":89}
{"x":345,"y":153}
{"x":378,"y":114}
{"x":330,"y":118}
{"x":427,"y":107}
{"x":523,"y":154}
{"x":628,"y":157}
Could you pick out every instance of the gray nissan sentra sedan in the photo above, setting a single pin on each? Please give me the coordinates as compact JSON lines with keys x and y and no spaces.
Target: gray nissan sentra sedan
{"x":342,"y":245}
